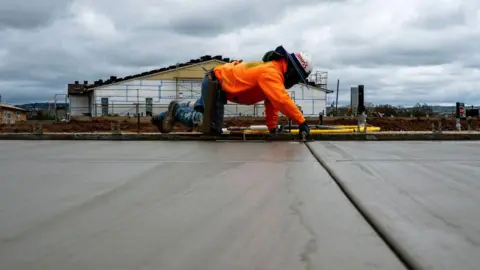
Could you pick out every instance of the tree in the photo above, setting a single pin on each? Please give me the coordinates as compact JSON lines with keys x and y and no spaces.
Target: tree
{"x":369,"y":107}
{"x":387,"y":110}
{"x":420,"y":110}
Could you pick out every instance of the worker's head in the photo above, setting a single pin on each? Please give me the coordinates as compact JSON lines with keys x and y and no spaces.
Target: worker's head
{"x":299,"y":65}
{"x":299,"y":68}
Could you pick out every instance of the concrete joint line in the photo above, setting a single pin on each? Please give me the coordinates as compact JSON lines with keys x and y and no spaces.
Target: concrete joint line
{"x":401,"y":253}
{"x":311,"y":246}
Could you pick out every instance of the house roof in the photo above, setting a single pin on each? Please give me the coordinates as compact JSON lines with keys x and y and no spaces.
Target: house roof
{"x":7,"y":106}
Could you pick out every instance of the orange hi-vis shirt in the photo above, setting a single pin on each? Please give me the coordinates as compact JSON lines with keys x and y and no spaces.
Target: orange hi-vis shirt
{"x":248,"y":83}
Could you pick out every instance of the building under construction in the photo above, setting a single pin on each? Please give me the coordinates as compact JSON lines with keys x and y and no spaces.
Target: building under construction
{"x":150,"y":92}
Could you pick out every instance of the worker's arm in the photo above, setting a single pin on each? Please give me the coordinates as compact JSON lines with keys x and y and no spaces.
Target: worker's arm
{"x":271,"y":114}
{"x":272,"y":85}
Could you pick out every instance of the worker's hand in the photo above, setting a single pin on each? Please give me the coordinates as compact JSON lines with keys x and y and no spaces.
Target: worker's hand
{"x":303,"y":127}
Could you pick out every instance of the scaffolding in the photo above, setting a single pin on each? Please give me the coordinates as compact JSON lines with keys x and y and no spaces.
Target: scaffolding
{"x":320,"y":79}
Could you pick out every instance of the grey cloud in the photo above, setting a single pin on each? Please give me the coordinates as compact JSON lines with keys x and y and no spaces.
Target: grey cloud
{"x":473,"y":62}
{"x":28,"y":91}
{"x":227,"y":16}
{"x":189,"y":18}
{"x":152,"y":48}
{"x":431,"y":34}
{"x":436,"y":49}
{"x":398,"y":56}
{"x":408,"y":85}
{"x":130,"y":56}
{"x":444,"y":19}
{"x":30,"y":14}
{"x":23,"y":20}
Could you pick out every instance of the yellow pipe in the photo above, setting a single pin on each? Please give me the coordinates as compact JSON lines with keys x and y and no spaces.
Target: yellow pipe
{"x":321,"y":131}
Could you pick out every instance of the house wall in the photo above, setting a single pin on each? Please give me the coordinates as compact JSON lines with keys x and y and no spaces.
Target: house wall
{"x":8,"y":116}
{"x":121,"y":98}
{"x":312,"y":100}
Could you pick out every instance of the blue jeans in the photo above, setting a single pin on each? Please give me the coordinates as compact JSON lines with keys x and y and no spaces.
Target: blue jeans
{"x":190,"y":117}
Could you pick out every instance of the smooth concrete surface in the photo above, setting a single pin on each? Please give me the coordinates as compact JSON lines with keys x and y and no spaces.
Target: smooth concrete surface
{"x":177,"y":205}
{"x":194,"y":136}
{"x":424,"y":194}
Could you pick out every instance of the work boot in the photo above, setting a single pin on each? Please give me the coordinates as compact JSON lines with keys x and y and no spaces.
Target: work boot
{"x":157,"y":120}
{"x":213,"y":131}
{"x":169,"y":120}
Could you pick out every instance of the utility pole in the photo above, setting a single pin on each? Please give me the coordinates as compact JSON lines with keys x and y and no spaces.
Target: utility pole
{"x":138,"y":111}
{"x":336,"y":102}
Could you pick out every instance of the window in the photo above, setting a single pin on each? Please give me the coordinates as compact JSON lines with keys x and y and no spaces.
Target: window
{"x":149,"y":107}
{"x":104,"y":106}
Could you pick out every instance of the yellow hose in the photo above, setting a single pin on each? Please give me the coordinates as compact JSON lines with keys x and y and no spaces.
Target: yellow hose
{"x":355,"y":128}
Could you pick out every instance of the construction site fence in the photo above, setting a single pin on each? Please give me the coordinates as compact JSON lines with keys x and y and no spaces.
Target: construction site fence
{"x":153,"y":96}
{"x":143,"y":109}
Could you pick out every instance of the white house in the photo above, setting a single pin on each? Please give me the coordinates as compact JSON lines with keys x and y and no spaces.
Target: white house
{"x":151,"y":92}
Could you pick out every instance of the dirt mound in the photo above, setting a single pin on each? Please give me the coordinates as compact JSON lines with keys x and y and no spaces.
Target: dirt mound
{"x":130,"y":124}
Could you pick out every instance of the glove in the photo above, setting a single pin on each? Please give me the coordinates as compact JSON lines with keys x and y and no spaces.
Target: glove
{"x":303,"y":127}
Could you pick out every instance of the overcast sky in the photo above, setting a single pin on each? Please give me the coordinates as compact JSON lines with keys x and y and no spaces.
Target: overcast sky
{"x":402,"y":51}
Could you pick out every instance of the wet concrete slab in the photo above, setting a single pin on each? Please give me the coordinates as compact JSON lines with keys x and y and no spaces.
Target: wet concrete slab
{"x":177,"y":205}
{"x":423,"y":194}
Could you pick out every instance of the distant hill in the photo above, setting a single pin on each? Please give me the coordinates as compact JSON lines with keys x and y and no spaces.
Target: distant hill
{"x":448,"y":109}
{"x":443,"y":109}
{"x":41,"y":105}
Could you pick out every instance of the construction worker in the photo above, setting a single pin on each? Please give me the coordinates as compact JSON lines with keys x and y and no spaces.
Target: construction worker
{"x":246,"y":83}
